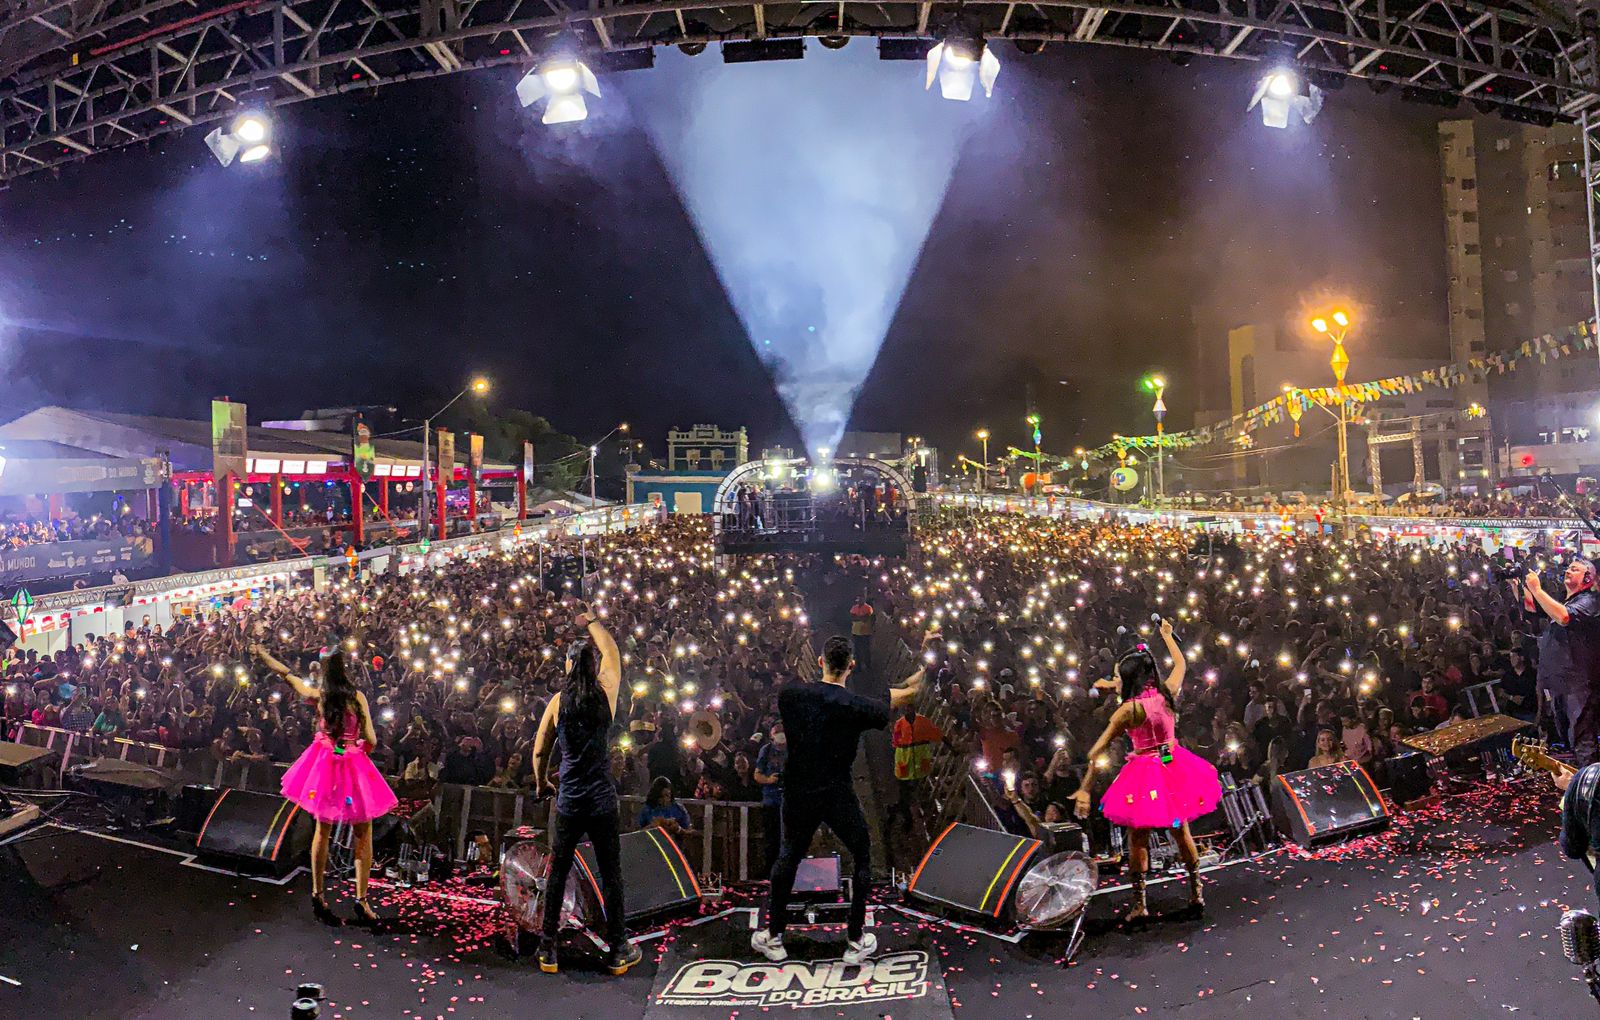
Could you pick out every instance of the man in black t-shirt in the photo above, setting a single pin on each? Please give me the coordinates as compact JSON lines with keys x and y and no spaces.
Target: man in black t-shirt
{"x":823,"y":723}
{"x":1569,"y":653}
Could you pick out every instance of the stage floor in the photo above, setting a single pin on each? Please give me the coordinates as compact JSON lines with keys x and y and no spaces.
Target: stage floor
{"x":1452,"y":915}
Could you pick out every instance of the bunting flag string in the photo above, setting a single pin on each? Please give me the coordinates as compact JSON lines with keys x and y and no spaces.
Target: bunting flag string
{"x":1297,"y":400}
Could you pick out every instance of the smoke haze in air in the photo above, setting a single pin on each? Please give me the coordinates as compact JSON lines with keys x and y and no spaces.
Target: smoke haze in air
{"x":812,"y":185}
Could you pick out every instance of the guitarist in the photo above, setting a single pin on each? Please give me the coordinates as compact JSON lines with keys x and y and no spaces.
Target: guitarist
{"x":1580,"y":816}
{"x":1569,"y":652}
{"x":1580,"y":805}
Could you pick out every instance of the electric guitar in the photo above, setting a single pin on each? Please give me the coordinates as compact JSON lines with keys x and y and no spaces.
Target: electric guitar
{"x":1536,"y":754}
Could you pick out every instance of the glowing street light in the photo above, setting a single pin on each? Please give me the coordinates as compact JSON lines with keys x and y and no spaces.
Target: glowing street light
{"x":983,"y":437}
{"x":1336,"y":331}
{"x":1158,"y":385}
{"x":1038,"y":457}
{"x":479,"y":386}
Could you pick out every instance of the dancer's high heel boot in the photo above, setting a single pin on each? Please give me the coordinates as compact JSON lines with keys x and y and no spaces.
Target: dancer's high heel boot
{"x":1138,"y":910}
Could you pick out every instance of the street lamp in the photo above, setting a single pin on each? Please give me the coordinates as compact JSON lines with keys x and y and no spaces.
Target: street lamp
{"x":595,"y":449}
{"x":1336,"y":331}
{"x":478,"y":387}
{"x":983,"y":478}
{"x":1038,"y":458}
{"x":1158,"y":385}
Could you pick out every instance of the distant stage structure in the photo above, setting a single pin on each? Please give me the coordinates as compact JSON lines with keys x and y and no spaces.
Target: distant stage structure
{"x":843,"y":505}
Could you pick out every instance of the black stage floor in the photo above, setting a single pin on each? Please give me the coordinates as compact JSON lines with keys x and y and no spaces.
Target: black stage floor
{"x":1452,"y":915}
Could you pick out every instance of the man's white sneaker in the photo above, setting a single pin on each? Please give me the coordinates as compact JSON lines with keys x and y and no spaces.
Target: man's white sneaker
{"x":768,"y":945}
{"x":856,"y":952}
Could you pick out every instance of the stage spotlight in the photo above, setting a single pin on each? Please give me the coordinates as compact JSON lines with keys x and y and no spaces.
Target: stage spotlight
{"x":562,"y":80}
{"x":960,"y":60}
{"x":1284,"y":92}
{"x":247,"y":138}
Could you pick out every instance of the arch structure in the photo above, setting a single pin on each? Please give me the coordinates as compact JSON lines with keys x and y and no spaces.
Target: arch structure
{"x":754,"y":472}
{"x":81,"y":77}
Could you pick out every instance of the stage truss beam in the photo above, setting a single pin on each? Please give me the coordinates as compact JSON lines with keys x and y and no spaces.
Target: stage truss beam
{"x":80,"y":77}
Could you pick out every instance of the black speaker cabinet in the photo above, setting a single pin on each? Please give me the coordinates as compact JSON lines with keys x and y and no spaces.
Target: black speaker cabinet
{"x":972,"y":872}
{"x":1328,"y":804}
{"x":257,"y":832}
{"x":655,"y":874}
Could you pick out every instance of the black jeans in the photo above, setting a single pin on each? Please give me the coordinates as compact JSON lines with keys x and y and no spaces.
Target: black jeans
{"x":772,"y":833}
{"x":861,"y":649}
{"x":601,"y":828}
{"x":1583,"y":718}
{"x":841,"y":812}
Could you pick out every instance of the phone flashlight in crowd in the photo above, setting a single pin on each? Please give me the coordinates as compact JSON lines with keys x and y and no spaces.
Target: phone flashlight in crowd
{"x":508,"y":704}
{"x":1059,"y":740}
{"x":1011,"y":780}
{"x":981,"y":764}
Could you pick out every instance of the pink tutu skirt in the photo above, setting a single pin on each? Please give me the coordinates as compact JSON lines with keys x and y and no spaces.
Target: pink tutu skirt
{"x":334,"y":787}
{"x":1148,"y":794}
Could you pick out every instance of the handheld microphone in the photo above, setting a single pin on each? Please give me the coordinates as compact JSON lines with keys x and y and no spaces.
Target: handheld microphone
{"x":1580,"y":937}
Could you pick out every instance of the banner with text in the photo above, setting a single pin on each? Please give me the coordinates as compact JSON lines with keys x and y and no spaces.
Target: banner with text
{"x":363,"y":457}
{"x":229,"y":440}
{"x":445,"y":462}
{"x":61,"y":560}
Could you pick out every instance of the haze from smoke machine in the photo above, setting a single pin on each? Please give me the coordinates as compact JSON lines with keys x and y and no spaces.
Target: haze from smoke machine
{"x":812,"y":184}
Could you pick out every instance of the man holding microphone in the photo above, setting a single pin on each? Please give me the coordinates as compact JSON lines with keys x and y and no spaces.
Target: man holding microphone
{"x":1569,"y":652}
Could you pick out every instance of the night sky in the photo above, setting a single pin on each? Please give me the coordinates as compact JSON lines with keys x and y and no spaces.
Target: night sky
{"x":1108,"y":207}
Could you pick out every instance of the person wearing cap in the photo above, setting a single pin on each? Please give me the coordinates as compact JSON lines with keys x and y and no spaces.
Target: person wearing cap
{"x":769,"y":776}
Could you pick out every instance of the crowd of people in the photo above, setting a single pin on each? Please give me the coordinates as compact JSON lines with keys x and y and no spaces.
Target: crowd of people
{"x":1301,"y":650}
{"x":27,"y":531}
{"x":458,"y":662}
{"x":1507,"y":504}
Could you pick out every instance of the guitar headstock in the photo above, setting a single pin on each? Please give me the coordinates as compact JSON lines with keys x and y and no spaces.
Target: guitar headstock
{"x":1536,"y":754}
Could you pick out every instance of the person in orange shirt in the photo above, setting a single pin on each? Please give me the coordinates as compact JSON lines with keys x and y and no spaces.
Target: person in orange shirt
{"x":914,"y":737}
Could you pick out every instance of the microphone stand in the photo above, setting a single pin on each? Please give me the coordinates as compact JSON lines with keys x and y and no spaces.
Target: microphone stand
{"x":1566,"y":501}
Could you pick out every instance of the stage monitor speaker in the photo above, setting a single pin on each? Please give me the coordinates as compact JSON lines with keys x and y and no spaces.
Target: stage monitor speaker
{"x":972,"y":872}
{"x":1328,"y":804}
{"x":818,"y":880}
{"x":655,"y":873}
{"x":195,"y":802}
{"x":1408,"y":777}
{"x":21,"y":763}
{"x":258,"y":832}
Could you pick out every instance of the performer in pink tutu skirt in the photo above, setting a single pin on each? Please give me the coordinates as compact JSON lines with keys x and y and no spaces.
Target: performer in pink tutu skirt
{"x":1162,"y":785}
{"x":334,"y":780}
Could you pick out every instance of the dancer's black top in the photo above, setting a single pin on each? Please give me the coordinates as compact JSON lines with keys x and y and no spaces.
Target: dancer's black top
{"x":576,"y":723}
{"x":586,"y":784}
{"x":824,"y":723}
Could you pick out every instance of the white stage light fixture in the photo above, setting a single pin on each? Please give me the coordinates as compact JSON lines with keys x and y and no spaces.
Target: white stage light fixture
{"x":959,"y":61}
{"x":1284,"y":93}
{"x":562,"y":81}
{"x":247,"y":138}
